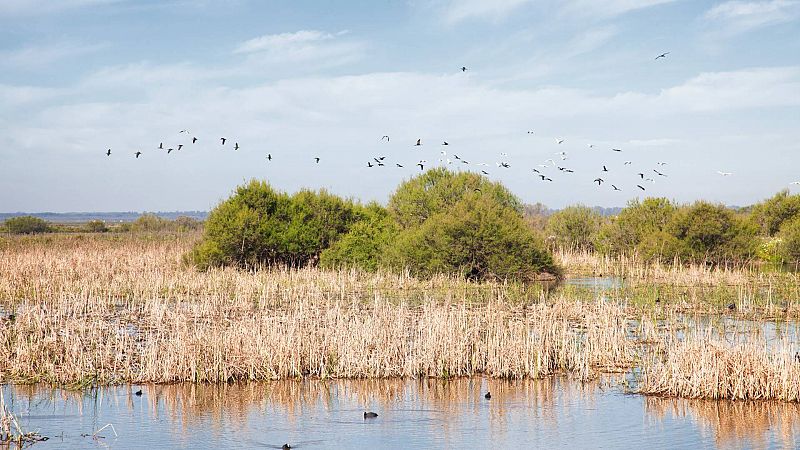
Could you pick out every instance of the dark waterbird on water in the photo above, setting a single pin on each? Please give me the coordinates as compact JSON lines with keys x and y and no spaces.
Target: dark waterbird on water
{"x":488,"y":395}
{"x":732,"y":307}
{"x":286,"y":447}
{"x":138,"y":393}
{"x":370,"y":415}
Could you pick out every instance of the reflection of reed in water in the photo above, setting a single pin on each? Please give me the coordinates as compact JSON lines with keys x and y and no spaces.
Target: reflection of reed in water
{"x":733,"y":422}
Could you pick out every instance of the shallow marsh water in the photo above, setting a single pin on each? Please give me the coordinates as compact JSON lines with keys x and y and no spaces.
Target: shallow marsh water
{"x":551,"y":413}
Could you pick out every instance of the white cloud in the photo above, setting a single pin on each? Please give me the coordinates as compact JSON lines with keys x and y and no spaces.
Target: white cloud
{"x":607,"y":8}
{"x":46,"y":54}
{"x":316,"y":47}
{"x":38,"y":7}
{"x":458,"y":10}
{"x":741,"y":16}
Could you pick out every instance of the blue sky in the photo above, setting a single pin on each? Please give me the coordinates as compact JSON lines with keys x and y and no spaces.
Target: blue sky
{"x":303,"y":79}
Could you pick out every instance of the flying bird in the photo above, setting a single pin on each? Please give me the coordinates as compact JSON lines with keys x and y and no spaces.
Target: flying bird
{"x":316,"y":159}
{"x":663,"y":55}
{"x":641,"y":175}
{"x":223,"y":140}
{"x":419,"y":142}
{"x":421,"y":167}
{"x":484,"y":172}
{"x":530,"y":132}
{"x":137,"y":154}
{"x":269,"y":156}
{"x":662,"y":163}
{"x":591,"y":145}
{"x":169,"y":150}
{"x":194,"y":139}
{"x":464,"y":68}
{"x":616,"y":188}
{"x":627,"y":163}
{"x":604,"y":169}
{"x":658,"y":173}
{"x":616,"y":149}
{"x":599,"y":181}
{"x":161,"y":146}
{"x":182,"y":131}
{"x":725,"y":174}
{"x":559,"y":140}
{"x":108,"y":152}
{"x":369,"y":164}
{"x":445,"y":143}
{"x":385,"y":137}
{"x":398,"y":164}
{"x":236,"y":146}
{"x":180,"y":146}
{"x":640,"y":187}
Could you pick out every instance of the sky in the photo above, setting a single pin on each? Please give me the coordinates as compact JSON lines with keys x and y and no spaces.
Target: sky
{"x":301,"y":79}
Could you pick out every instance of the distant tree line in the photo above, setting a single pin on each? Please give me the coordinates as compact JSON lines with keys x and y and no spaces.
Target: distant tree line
{"x":661,"y":229}
{"x":145,"y":223}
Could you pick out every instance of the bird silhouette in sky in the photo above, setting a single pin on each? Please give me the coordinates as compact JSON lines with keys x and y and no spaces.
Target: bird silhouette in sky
{"x":137,"y":154}
{"x":464,"y":68}
{"x":663,"y":55}
{"x":223,"y":140}
{"x":108,"y":152}
{"x":236,"y":146}
{"x":316,"y":159}
{"x":419,"y":142}
{"x":194,"y":139}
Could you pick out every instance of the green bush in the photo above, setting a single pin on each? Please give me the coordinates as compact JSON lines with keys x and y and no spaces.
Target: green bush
{"x":438,"y":189}
{"x":364,"y":244}
{"x":96,"y":226}
{"x":26,"y":225}
{"x":150,"y":223}
{"x":773,"y":212}
{"x":713,"y":233}
{"x":574,"y":227}
{"x":465,"y":224}
{"x":185,"y":224}
{"x":635,"y":222}
{"x":790,"y":241}
{"x":258,"y":225}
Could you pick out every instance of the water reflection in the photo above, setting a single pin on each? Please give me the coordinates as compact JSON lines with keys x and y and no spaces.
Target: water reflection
{"x":412,"y":413}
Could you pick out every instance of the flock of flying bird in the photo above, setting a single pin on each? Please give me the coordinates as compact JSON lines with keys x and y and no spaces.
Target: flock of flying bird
{"x":544,"y":171}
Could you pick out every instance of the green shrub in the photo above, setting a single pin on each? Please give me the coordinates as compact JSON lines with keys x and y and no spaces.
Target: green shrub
{"x":150,"y":223}
{"x":185,"y":224}
{"x":258,"y":225}
{"x":96,"y":226}
{"x":773,"y":212}
{"x":790,"y":241}
{"x":364,"y":244}
{"x":26,"y":225}
{"x":465,"y":224}
{"x":574,"y":227}
{"x":438,"y":189}
{"x":635,"y":222}
{"x":713,"y":233}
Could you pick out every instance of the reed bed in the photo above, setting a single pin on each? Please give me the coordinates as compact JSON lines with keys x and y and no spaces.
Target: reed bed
{"x":704,"y":365}
{"x":88,"y":310}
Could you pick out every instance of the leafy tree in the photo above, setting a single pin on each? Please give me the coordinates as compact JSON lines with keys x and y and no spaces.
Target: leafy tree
{"x":149,"y":222}
{"x":258,"y":225}
{"x":574,"y":227}
{"x":96,"y":226}
{"x":790,"y":241}
{"x":773,"y":212}
{"x":438,"y":189}
{"x":463,"y":223}
{"x":27,"y":225}
{"x":713,"y":233}
{"x":636,"y":221}
{"x":364,"y":244}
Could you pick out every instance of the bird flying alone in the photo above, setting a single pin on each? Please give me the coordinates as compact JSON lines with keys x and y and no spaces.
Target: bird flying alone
{"x":194,"y":139}
{"x":616,"y":188}
{"x":108,"y":152}
{"x":223,"y":140}
{"x":464,"y":68}
{"x":316,"y":159}
{"x":599,"y":181}
{"x":385,"y":137}
{"x":616,"y":149}
{"x":663,"y":55}
{"x":137,"y":154}
{"x":236,"y":146}
{"x":419,"y":142}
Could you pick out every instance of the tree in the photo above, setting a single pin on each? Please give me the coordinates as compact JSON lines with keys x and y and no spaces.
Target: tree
{"x":27,"y":225}
{"x":790,"y":241}
{"x":258,"y":225}
{"x":773,"y":212}
{"x":364,"y":245}
{"x":635,"y":222}
{"x":713,"y":233}
{"x":465,"y":224}
{"x":574,"y":227}
{"x":96,"y":226}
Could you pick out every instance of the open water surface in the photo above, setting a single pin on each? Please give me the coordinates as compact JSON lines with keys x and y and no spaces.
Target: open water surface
{"x":551,"y":413}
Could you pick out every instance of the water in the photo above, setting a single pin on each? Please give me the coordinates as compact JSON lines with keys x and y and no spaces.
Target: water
{"x":595,"y":283}
{"x":553,"y":413}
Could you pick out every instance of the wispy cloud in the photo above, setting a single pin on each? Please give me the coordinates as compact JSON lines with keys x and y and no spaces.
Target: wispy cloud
{"x":38,"y":7}
{"x":606,"y":8}
{"x":46,"y":54}
{"x":319,"y":47}
{"x":740,"y":16}
{"x":454,"y":11}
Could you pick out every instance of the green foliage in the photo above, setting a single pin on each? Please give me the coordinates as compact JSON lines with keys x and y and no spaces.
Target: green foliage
{"x":150,"y":223}
{"x":185,"y":224}
{"x":790,"y":241}
{"x":773,"y":212}
{"x":636,"y":221}
{"x":574,"y":227}
{"x":364,"y":244}
{"x":258,"y":225}
{"x":713,"y":233}
{"x":439,"y":189}
{"x":26,"y":225}
{"x":465,"y":224}
{"x":96,"y":226}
